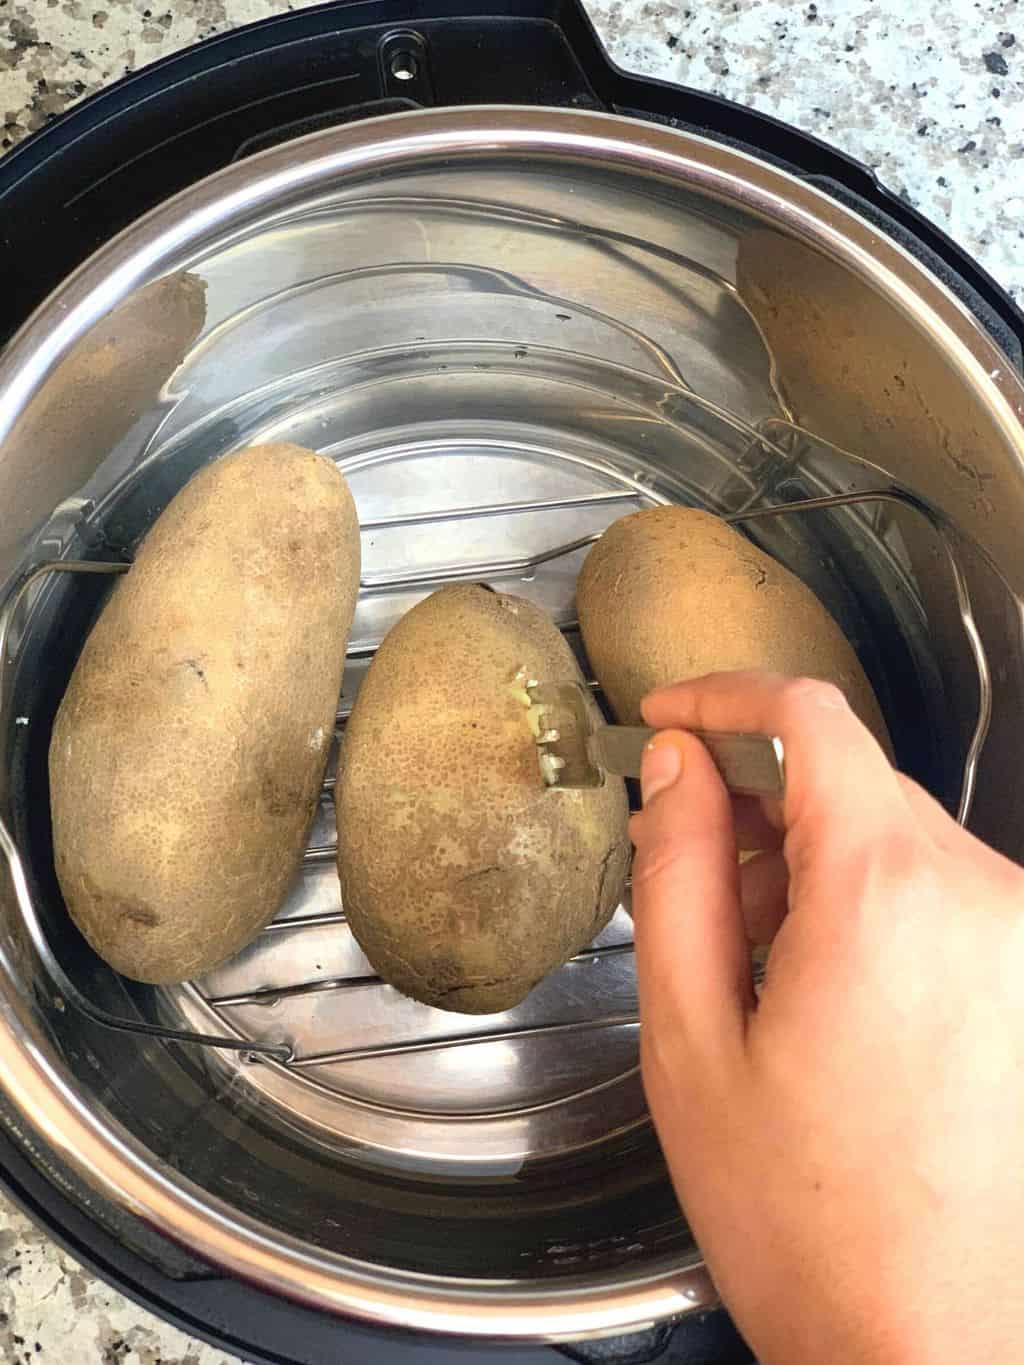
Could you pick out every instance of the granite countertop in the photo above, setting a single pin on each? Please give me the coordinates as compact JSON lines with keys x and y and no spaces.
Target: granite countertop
{"x":931,"y":97}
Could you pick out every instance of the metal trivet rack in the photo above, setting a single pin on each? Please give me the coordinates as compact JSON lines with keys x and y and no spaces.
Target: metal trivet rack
{"x":631,"y":489}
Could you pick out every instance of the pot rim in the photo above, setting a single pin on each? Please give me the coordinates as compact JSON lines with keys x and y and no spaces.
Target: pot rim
{"x":116,"y":1164}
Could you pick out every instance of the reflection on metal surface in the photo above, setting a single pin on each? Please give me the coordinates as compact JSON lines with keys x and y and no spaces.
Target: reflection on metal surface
{"x":868,"y":378}
{"x":946,"y":534}
{"x":113,"y":373}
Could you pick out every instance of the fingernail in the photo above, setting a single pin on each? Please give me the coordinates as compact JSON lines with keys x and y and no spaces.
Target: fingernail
{"x":661,"y":767}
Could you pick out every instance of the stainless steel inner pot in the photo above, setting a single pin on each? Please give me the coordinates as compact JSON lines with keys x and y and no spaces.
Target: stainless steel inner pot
{"x":509,"y":327}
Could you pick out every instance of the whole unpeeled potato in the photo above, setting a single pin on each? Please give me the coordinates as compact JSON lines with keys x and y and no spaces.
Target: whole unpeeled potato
{"x":189,"y":749}
{"x":672,"y":593}
{"x":465,"y":879}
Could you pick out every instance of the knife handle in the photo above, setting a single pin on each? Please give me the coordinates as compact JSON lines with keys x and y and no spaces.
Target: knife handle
{"x":750,"y":764}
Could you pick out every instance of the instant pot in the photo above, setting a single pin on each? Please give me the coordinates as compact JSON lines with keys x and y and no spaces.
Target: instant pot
{"x":515,"y":293}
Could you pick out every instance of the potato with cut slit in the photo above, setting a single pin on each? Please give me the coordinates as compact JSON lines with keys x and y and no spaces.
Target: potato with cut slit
{"x":465,"y":878}
{"x":673,"y":593}
{"x":189,"y":749}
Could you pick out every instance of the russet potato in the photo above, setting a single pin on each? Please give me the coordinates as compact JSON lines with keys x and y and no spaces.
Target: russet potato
{"x":465,"y":879}
{"x":189,"y":749}
{"x":673,"y":593}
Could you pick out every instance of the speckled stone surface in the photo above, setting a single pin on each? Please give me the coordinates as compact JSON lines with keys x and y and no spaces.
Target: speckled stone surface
{"x":52,"y":1312}
{"x":929,"y":95}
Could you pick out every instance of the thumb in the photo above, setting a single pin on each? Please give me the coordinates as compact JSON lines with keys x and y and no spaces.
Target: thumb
{"x":692,"y":956}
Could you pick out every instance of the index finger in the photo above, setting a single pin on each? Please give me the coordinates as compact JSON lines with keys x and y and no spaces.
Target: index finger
{"x":840,"y":786}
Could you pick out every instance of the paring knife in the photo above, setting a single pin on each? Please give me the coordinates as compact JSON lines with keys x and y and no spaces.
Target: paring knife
{"x":576,"y":752}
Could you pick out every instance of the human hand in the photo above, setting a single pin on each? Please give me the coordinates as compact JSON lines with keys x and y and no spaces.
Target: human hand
{"x":849,"y":1148}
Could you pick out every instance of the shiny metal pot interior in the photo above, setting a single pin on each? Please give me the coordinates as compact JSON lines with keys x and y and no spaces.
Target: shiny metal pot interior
{"x":509,"y":327}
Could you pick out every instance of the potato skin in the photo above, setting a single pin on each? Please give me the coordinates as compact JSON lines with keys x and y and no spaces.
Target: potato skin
{"x":465,"y":879}
{"x":189,"y":748}
{"x":672,"y":593}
